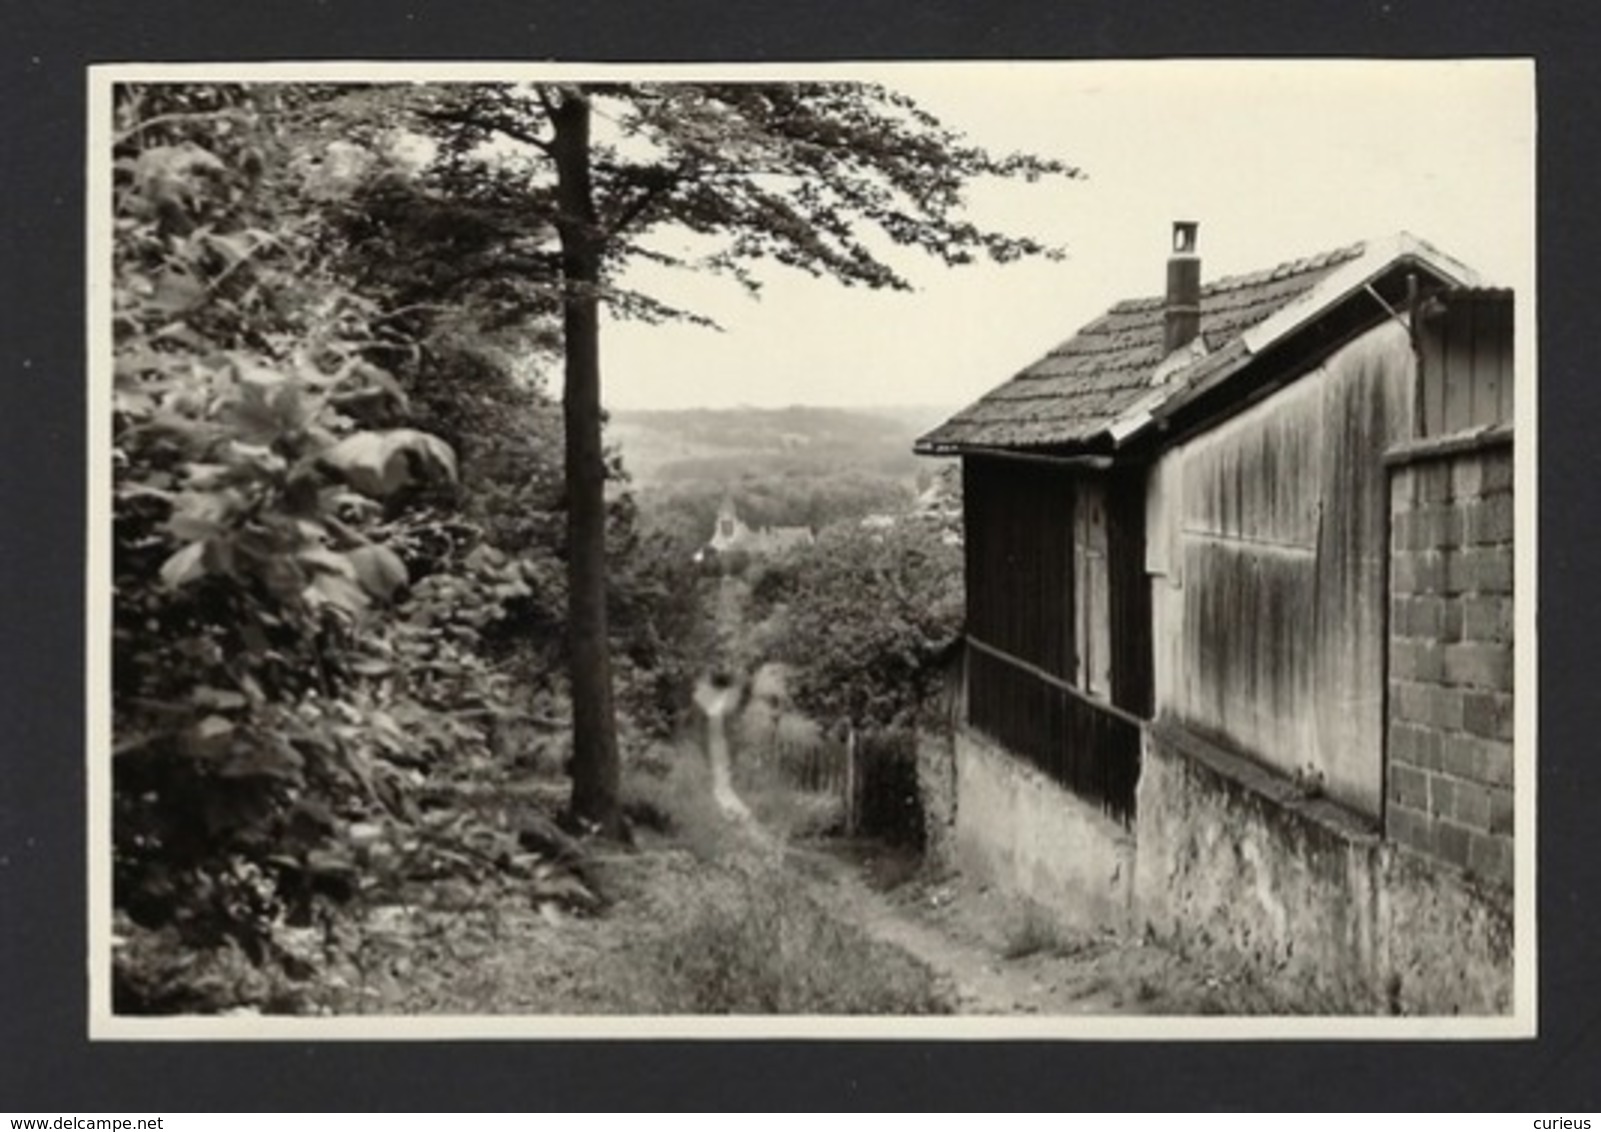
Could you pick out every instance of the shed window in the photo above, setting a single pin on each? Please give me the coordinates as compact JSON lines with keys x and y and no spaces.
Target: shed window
{"x":1092,"y":620}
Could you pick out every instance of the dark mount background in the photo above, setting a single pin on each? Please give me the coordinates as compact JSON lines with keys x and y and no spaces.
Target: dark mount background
{"x":46,"y":1063}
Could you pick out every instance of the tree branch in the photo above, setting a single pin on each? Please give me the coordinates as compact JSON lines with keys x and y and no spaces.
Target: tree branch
{"x":669,"y":181}
{"x":497,"y":125}
{"x":545,"y":103}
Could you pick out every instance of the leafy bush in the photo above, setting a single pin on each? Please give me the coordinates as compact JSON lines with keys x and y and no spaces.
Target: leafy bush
{"x":338,"y":541}
{"x":281,"y":688}
{"x":865,"y":615}
{"x":657,"y":611}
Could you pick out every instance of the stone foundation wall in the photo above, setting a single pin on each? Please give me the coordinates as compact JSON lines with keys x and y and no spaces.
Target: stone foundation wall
{"x":1020,"y":830}
{"x":1236,"y":862}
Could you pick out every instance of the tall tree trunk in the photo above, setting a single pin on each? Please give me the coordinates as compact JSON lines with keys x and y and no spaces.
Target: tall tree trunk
{"x":596,"y":771}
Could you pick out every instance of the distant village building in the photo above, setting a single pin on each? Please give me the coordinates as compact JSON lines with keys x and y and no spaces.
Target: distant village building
{"x":1239,"y":641}
{"x":938,"y":507}
{"x":731,"y":533}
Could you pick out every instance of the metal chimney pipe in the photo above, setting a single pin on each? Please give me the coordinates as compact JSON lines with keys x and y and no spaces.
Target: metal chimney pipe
{"x":1181,"y":314}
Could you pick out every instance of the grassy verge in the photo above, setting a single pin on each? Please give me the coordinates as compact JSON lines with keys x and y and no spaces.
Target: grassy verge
{"x":748,"y":937}
{"x":755,"y":942}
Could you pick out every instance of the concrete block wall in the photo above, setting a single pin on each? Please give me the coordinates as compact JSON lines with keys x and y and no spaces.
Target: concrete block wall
{"x":1448,"y":791}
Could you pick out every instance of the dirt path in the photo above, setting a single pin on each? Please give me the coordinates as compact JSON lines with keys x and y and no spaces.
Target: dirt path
{"x":679,"y":918}
{"x":992,"y":958}
{"x":975,"y":973}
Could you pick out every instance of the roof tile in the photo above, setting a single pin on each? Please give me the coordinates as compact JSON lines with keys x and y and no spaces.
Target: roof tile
{"x":1081,"y":385}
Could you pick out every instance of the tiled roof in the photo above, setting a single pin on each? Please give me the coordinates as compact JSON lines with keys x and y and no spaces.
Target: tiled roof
{"x":1083,"y":385}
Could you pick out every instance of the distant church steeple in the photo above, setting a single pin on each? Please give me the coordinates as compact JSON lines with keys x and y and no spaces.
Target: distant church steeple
{"x":730,"y":531}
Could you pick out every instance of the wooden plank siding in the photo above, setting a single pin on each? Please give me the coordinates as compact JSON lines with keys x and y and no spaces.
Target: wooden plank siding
{"x":1274,"y":602}
{"x":1464,"y":344}
{"x":1055,"y":569}
{"x":1081,"y":745}
{"x":1019,"y":548}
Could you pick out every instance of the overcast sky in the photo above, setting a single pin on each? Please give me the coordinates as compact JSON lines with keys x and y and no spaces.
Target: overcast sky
{"x":1275,"y":160}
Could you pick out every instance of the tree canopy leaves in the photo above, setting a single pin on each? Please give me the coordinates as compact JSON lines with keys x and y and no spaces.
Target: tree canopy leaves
{"x":828,"y":178}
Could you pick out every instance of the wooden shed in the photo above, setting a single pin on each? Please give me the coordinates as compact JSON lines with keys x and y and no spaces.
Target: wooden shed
{"x":1180,"y":513}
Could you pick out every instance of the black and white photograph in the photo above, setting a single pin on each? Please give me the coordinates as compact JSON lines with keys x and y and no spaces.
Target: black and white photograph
{"x":982,"y":550}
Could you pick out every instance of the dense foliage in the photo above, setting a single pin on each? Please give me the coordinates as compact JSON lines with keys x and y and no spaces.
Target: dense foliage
{"x":862,"y":618}
{"x":337,"y":555}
